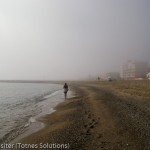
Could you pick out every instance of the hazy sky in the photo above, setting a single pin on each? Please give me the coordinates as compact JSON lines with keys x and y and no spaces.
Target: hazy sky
{"x":71,"y":39}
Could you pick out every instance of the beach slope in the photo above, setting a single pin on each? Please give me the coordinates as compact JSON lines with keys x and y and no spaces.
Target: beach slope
{"x":100,"y":116}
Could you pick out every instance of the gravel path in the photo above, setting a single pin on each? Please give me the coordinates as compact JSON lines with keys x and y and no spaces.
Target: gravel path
{"x":130,"y":117}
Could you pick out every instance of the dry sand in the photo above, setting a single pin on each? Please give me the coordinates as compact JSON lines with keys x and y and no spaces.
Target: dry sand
{"x":98,"y":118}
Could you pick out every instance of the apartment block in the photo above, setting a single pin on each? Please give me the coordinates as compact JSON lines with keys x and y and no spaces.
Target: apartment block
{"x":134,"y":69}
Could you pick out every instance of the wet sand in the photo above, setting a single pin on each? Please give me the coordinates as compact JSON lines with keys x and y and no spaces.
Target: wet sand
{"x":98,"y":117}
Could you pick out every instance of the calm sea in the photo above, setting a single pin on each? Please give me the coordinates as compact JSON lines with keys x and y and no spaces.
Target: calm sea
{"x":22,"y":103}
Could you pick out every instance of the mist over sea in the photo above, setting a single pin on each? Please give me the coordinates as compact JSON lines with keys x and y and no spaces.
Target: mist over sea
{"x":22,"y":103}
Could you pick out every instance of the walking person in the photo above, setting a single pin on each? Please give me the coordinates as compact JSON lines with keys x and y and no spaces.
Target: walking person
{"x":65,"y":90}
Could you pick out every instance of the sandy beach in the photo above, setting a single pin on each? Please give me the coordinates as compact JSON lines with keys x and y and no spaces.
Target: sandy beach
{"x":102,"y":115}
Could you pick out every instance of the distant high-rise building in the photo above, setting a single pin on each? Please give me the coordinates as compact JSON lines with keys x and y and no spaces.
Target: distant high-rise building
{"x":148,"y":75}
{"x":134,"y":69}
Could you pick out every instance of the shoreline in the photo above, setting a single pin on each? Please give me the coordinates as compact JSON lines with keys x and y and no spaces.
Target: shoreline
{"x":96,"y":118}
{"x":37,"y":124}
{"x":55,"y":121}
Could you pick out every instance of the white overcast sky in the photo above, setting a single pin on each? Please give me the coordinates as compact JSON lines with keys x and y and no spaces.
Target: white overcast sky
{"x":71,"y":39}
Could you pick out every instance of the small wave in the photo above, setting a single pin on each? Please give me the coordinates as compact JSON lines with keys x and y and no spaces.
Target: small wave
{"x":31,"y":120}
{"x":44,"y":96}
{"x":51,"y":95}
{"x":12,"y":134}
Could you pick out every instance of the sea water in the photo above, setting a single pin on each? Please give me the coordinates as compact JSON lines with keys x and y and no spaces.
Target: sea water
{"x":22,"y":103}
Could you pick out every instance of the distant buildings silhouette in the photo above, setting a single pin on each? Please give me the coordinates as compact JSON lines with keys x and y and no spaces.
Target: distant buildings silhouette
{"x":134,"y":70}
{"x":131,"y":70}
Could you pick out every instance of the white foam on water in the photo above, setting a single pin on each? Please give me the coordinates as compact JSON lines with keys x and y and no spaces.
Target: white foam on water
{"x":24,"y":102}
